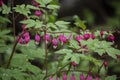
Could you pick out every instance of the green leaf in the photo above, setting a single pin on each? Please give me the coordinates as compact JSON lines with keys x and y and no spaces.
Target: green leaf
{"x":75,"y":58}
{"x":112,"y":52}
{"x":79,"y":23}
{"x":62,"y":24}
{"x":113,"y":77}
{"x":32,"y":7}
{"x":22,"y":9}
{"x":74,"y":44}
{"x":32,"y":23}
{"x":43,"y":2}
{"x":4,"y":20}
{"x":5,"y":9}
{"x":53,"y":6}
{"x":64,"y":51}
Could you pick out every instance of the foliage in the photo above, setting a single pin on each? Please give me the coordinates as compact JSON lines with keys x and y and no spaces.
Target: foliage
{"x":21,"y":58}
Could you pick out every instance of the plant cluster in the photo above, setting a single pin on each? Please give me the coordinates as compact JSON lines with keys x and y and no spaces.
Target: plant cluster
{"x":60,"y":52}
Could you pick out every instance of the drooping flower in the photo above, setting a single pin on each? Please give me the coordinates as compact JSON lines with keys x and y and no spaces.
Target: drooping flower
{"x":37,"y":38}
{"x":105,"y":64}
{"x":50,"y":79}
{"x":92,"y":36}
{"x":47,"y":38}
{"x":97,"y":78}
{"x":62,"y":39}
{"x":82,"y":77}
{"x":1,"y":3}
{"x":79,"y":38}
{"x":64,"y":77}
{"x":57,"y":78}
{"x":38,"y":13}
{"x":89,"y":77}
{"x":23,"y":27}
{"x":35,"y":3}
{"x":54,"y":42}
{"x":101,"y":33}
{"x":111,"y":38}
{"x":72,"y":77}
{"x":86,"y":36}
{"x":73,"y":64}
{"x":25,"y":38}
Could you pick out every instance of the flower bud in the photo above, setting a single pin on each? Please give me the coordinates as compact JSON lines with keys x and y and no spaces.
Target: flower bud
{"x":92,"y":36}
{"x":73,"y":64}
{"x":38,"y":13}
{"x":89,"y":77}
{"x":105,"y":64}
{"x":64,"y":77}
{"x":79,"y":38}
{"x":35,"y":3}
{"x":82,"y":77}
{"x":101,"y":33}
{"x":47,"y":38}
{"x":57,"y":78}
{"x":72,"y":77}
{"x":50,"y":79}
{"x":37,"y":38}
{"x":111,"y":38}
{"x":86,"y":36}
{"x":62,"y":39}
{"x":1,"y":3}
{"x":54,"y":43}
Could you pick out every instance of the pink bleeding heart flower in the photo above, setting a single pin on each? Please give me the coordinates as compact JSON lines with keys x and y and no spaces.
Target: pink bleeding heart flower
{"x":89,"y":77}
{"x":35,"y":3}
{"x":50,"y":79}
{"x":54,"y":43}
{"x":82,"y":77}
{"x":25,"y":38}
{"x":47,"y":38}
{"x":92,"y":36}
{"x":73,"y":64}
{"x":79,"y":38}
{"x":72,"y":77}
{"x":23,"y":27}
{"x":97,"y":78}
{"x":86,"y":36}
{"x":57,"y":78}
{"x":37,"y":38}
{"x":64,"y":77}
{"x":111,"y":38}
{"x":38,"y":13}
{"x":105,"y":64}
{"x":1,"y":3}
{"x":101,"y":33}
{"x":62,"y":39}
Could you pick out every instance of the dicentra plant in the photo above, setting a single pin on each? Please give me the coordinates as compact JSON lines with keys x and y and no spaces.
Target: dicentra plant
{"x":49,"y":48}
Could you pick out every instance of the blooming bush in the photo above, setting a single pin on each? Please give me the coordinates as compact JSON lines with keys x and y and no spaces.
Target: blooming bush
{"x":60,"y":52}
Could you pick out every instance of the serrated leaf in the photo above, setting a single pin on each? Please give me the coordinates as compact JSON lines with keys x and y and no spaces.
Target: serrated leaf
{"x":79,"y":23}
{"x":62,"y":24}
{"x":64,"y":51}
{"x":5,"y":9}
{"x":4,"y":20}
{"x":22,"y":9}
{"x":75,"y":58}
{"x":43,"y":2}
{"x":113,"y":77}
{"x":112,"y":52}
{"x":74,"y":44}
{"x":53,"y":6}
{"x":32,"y":7}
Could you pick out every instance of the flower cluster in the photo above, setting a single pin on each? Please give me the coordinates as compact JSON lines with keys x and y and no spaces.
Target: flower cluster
{"x":73,"y":77}
{"x":62,"y":38}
